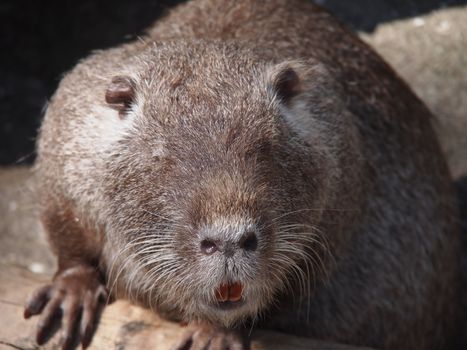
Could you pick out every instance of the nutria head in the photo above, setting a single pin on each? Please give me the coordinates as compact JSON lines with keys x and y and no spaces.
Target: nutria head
{"x":217,"y":187}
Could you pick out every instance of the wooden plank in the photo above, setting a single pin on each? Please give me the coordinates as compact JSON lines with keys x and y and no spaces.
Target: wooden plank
{"x":123,"y":326}
{"x":26,"y":263}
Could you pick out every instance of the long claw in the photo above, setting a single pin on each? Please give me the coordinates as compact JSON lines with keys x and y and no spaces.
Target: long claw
{"x":68,"y":342}
{"x":201,"y":341}
{"x":70,"y":319}
{"x":46,"y":326}
{"x":88,"y":319}
{"x":76,"y":297}
{"x":218,"y":344}
{"x":236,"y":343}
{"x":37,"y":301}
{"x":86,"y":336}
{"x":185,"y":341}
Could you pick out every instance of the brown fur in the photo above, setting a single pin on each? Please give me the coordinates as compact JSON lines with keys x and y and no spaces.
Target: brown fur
{"x":215,"y":142}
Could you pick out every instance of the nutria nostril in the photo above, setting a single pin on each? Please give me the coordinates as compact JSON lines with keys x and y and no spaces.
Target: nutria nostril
{"x":208,"y":246}
{"x":249,"y":241}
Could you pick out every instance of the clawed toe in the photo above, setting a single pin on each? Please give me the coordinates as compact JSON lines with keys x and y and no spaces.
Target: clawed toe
{"x":49,"y":320}
{"x":73,"y":303}
{"x":92,"y":307}
{"x":37,"y":301}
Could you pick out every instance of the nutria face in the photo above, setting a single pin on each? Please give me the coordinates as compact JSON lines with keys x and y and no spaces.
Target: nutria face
{"x":214,"y":197}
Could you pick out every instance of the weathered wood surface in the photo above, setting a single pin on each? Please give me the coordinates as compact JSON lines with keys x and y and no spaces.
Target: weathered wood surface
{"x":26,"y":263}
{"x":429,"y":53}
{"x":122,"y":326}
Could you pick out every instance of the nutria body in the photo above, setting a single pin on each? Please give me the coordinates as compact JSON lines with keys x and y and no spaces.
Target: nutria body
{"x":245,"y":162}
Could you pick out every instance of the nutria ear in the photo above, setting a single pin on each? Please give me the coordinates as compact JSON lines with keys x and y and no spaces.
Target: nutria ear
{"x":307,"y":95}
{"x":120,"y":94}
{"x":284,"y":82}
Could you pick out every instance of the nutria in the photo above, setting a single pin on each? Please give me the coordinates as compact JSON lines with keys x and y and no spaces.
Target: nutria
{"x":248,"y":164}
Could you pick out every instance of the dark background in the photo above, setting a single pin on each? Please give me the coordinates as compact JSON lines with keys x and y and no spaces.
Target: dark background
{"x":40,"y":40}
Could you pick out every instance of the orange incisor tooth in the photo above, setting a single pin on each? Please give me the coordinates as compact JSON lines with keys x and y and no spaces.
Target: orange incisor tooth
{"x":235,"y":291}
{"x":222,"y":293}
{"x":229,"y":292}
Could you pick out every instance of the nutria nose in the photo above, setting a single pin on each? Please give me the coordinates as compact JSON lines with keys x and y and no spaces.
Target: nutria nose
{"x":247,"y":242}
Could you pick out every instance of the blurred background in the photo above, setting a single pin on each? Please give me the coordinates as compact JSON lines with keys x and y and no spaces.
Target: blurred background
{"x":40,"y":40}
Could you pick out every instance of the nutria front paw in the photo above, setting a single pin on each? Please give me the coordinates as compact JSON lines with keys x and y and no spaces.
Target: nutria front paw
{"x":76,"y":297}
{"x":197,"y":336}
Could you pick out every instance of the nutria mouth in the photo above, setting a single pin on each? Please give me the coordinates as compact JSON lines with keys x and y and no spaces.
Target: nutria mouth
{"x":229,"y":292}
